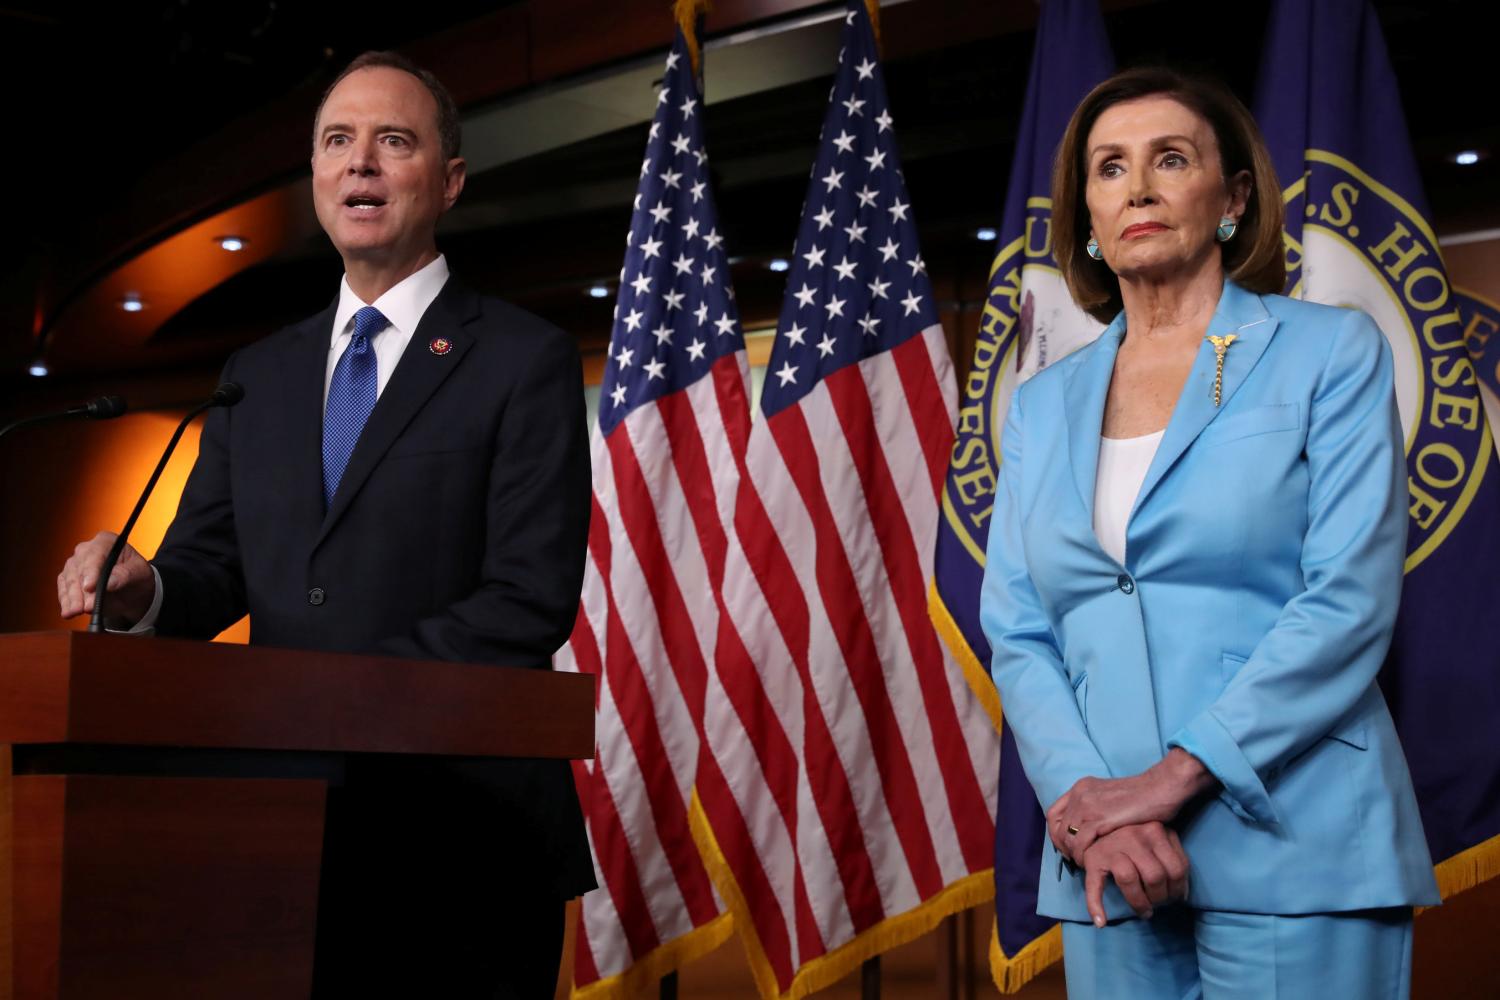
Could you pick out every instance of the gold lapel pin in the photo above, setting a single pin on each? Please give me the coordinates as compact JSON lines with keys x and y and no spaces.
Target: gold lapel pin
{"x":1221,"y":348}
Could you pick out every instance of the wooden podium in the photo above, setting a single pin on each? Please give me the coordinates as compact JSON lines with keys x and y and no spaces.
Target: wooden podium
{"x":161,"y":801}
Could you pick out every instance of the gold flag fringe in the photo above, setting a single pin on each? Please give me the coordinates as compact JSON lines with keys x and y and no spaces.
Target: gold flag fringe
{"x":1467,"y":869}
{"x":872,"y":7}
{"x":974,"y":673}
{"x":824,"y":971}
{"x":1013,"y":972}
{"x":644,"y":973}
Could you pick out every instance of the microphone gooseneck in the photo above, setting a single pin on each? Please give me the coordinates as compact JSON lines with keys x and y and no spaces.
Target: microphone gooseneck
{"x":98,"y":408}
{"x":227,"y":394}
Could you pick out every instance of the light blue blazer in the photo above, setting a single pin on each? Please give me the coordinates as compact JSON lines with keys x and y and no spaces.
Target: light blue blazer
{"x":1263,"y":567}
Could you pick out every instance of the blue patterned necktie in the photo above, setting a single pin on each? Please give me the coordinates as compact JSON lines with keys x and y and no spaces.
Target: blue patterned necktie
{"x":351,"y":397}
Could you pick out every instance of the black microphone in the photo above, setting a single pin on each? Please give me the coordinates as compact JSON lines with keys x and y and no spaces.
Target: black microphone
{"x":99,"y":408}
{"x":227,"y":394}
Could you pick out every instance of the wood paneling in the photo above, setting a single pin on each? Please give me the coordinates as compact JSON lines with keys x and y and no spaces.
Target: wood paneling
{"x":35,"y":869}
{"x":7,"y":877}
{"x":165,"y":887}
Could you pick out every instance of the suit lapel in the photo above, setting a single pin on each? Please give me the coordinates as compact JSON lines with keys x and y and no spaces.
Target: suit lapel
{"x":417,"y":376}
{"x":1240,"y":313}
{"x":1084,"y":396}
{"x":308,"y":373}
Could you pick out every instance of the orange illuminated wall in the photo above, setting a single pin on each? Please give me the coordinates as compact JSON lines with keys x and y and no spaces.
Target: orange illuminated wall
{"x":65,"y":482}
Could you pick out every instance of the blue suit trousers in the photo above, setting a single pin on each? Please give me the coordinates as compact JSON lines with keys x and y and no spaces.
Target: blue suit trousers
{"x":1189,"y":954}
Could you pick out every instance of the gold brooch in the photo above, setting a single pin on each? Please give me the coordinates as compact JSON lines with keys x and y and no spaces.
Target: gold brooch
{"x":1221,"y":348}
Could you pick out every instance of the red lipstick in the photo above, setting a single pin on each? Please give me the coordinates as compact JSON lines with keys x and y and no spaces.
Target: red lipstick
{"x":1142,"y":229}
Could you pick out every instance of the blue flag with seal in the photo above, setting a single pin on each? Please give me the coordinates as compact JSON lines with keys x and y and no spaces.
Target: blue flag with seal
{"x":1358,"y":235}
{"x":1029,"y":321}
{"x":1481,"y":318}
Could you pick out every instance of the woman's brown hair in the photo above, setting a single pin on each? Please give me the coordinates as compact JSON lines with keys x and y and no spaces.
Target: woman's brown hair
{"x":1255,"y":258}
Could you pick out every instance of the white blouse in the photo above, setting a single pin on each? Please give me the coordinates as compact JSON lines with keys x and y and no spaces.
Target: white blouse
{"x":1123,"y":463}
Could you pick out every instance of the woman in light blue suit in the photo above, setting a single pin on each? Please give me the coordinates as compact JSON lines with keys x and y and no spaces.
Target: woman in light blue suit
{"x":1193,"y":579}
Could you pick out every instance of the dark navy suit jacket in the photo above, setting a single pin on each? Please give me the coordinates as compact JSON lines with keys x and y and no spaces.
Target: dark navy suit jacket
{"x":457,"y":533}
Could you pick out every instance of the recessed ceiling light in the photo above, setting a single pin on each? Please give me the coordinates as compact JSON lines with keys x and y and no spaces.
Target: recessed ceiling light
{"x":599,"y":292}
{"x":1467,"y":157}
{"x":38,"y":368}
{"x":233,"y":244}
{"x":985,"y":235}
{"x":132,"y":303}
{"x":779,"y":264}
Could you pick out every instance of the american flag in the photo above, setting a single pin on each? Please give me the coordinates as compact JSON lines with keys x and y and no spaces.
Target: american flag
{"x":673,"y":421}
{"x":861,"y":767}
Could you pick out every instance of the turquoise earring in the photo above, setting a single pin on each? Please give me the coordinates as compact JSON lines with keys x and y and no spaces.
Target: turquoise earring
{"x":1092,"y":249}
{"x":1227,"y":228}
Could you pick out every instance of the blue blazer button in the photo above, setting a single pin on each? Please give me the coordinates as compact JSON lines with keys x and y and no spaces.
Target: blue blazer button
{"x":315,"y":596}
{"x":1126,"y":584}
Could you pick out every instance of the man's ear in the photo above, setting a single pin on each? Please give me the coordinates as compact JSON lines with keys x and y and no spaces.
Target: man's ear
{"x":453,"y":181}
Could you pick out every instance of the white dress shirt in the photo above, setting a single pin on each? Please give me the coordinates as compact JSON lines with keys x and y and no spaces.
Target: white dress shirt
{"x":1123,"y":463}
{"x":403,"y":306}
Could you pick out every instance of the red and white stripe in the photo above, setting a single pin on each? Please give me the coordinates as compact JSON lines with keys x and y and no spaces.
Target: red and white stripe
{"x":665,"y":481}
{"x":858,"y":770}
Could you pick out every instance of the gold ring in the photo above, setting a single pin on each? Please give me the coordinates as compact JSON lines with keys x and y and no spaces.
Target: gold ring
{"x":1072,"y":829}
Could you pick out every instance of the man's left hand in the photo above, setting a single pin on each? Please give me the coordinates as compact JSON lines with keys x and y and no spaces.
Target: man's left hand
{"x":1097,"y":807}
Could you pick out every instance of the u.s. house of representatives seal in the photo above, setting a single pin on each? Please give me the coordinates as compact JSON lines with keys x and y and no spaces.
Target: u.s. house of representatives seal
{"x":1030,"y":320}
{"x":1363,"y":245}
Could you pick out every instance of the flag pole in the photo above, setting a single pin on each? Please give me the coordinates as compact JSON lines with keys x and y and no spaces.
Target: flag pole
{"x":869,"y":971}
{"x":687,"y":14}
{"x":869,"y":979}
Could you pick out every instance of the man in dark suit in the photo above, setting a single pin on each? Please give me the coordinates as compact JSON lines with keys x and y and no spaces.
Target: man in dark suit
{"x":407,"y":474}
